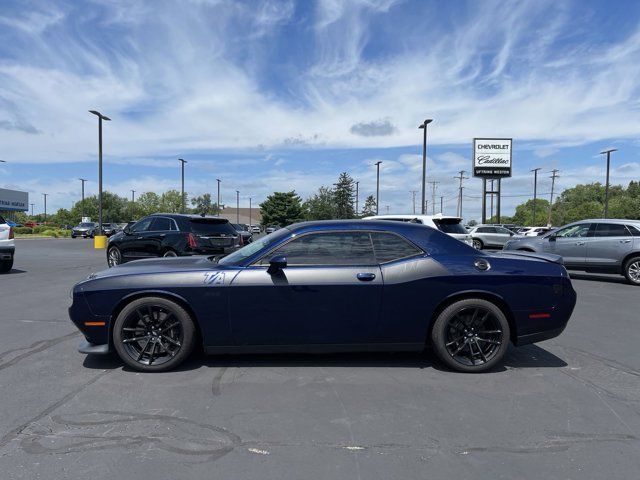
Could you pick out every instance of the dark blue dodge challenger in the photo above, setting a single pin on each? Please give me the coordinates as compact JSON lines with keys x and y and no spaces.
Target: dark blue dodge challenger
{"x":327,"y":287}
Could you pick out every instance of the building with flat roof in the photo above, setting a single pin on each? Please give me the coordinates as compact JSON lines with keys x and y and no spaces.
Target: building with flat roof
{"x":230,"y":214}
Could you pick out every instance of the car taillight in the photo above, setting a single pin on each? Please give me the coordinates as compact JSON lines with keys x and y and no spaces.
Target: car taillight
{"x":191,"y":238}
{"x":11,"y":233}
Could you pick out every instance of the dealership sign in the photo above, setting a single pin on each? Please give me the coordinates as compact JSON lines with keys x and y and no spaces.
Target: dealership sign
{"x":13,"y":200}
{"x":492,"y":157}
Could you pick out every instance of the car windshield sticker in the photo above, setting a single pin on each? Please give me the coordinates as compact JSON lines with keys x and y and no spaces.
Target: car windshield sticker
{"x":213,"y":278}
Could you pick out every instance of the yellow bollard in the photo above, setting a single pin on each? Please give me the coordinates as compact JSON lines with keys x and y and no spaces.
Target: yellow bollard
{"x":100,"y":241}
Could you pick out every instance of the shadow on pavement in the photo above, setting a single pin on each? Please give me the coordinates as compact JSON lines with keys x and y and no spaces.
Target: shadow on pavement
{"x":595,"y":277}
{"x":14,"y":271}
{"x":529,"y":356}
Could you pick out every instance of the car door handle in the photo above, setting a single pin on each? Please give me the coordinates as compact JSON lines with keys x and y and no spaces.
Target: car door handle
{"x":366,"y":277}
{"x":162,"y":235}
{"x":625,"y":241}
{"x":579,"y":243}
{"x":139,"y":238}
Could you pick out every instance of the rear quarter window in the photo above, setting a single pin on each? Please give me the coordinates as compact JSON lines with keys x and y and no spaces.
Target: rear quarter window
{"x":388,"y":247}
{"x":211,"y":227}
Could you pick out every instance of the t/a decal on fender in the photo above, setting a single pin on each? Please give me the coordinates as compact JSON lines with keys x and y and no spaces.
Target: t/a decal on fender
{"x":213,"y":278}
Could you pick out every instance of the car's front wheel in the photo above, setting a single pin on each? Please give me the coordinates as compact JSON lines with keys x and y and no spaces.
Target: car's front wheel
{"x":471,"y":335}
{"x":632,"y":270}
{"x":114,"y":257}
{"x":170,"y":253}
{"x":153,"y":334}
{"x":477,"y":244}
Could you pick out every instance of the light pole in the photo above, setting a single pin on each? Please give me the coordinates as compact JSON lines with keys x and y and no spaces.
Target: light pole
{"x":535,"y":193}
{"x":424,"y":161}
{"x":606,"y":188}
{"x":83,"y":180}
{"x":182,"y":162}
{"x":45,"y":195}
{"x":237,"y":206}
{"x":250,"y":214}
{"x":133,"y":196}
{"x":32,"y":205}
{"x":357,"y":194}
{"x":100,"y":119}
{"x":378,"y":185}
{"x":218,"y":180}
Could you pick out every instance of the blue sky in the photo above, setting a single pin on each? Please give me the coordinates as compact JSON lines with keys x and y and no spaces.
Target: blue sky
{"x":279,"y":95}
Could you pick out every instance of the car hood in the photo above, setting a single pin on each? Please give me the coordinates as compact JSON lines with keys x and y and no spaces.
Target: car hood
{"x":159,"y":265}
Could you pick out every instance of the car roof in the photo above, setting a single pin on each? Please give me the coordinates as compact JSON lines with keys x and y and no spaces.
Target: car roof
{"x":189,"y":216}
{"x":608,"y":220}
{"x":437,"y":216}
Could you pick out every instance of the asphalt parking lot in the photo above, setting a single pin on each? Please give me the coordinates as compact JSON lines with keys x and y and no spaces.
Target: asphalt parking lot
{"x":567,"y":408}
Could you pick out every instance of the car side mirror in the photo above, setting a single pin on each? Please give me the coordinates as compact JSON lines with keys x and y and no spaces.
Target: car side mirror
{"x":127,"y":230}
{"x":277,"y":263}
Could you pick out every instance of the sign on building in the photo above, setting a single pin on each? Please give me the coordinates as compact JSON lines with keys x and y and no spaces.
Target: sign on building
{"x":492,"y":157}
{"x":13,"y":200}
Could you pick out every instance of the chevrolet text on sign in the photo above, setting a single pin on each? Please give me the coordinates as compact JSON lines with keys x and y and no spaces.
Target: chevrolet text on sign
{"x":492,"y":157}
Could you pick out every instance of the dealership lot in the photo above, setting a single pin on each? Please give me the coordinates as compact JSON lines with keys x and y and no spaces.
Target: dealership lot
{"x":566,"y":408}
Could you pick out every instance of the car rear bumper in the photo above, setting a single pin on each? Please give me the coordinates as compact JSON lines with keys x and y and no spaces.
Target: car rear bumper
{"x":7,"y":252}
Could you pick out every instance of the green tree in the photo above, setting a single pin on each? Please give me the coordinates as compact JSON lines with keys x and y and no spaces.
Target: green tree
{"x":524,"y":213}
{"x":321,"y":206}
{"x":282,"y":208}
{"x":203,"y":205}
{"x":148,"y":203}
{"x":114,"y":208}
{"x":369,"y":207}
{"x":343,"y":196}
{"x":171,"y":202}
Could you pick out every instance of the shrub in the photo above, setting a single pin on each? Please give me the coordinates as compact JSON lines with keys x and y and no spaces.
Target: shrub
{"x":23,"y":230}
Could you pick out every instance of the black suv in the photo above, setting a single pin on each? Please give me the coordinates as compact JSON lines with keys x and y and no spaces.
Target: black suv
{"x":172,"y":235}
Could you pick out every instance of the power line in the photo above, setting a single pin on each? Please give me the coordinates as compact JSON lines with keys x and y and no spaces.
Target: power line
{"x":460,"y":187}
{"x":434,"y":185}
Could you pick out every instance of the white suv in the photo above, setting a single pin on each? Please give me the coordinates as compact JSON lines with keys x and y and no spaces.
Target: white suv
{"x":7,"y":246}
{"x":450,"y":225}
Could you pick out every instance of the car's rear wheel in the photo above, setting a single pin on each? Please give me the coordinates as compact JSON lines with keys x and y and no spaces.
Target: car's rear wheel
{"x":170,"y":253}
{"x":632,"y":270}
{"x":477,"y":244}
{"x":471,"y":335}
{"x":153,"y":334}
{"x":114,"y":257}
{"x":6,"y":265}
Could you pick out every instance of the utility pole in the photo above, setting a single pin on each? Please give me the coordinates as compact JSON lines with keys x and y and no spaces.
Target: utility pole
{"x":237,"y":206}
{"x":133,"y":196}
{"x":434,"y":186}
{"x":491,"y":203}
{"x":45,"y":195}
{"x":82,"y":206}
{"x":606,"y":187}
{"x":535,"y":194}
{"x":441,"y":204}
{"x":378,"y":186}
{"x":413,"y":195}
{"x":218,"y":180}
{"x":554,"y":175}
{"x":461,"y":177}
{"x":424,"y":160}
{"x":387,"y":207}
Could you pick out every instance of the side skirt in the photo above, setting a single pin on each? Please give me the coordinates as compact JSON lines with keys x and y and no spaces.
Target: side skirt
{"x":313,"y":348}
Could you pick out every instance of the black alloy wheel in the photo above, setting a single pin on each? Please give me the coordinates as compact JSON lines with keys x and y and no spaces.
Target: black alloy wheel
{"x":170,"y":253}
{"x":114,"y":257}
{"x":471,"y":335}
{"x":477,"y":244}
{"x":153,"y":334}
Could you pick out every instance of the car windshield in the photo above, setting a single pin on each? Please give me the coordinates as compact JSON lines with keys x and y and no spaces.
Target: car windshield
{"x":450,"y":225}
{"x":211,"y":226}
{"x":241,"y":255}
{"x":86,"y":225}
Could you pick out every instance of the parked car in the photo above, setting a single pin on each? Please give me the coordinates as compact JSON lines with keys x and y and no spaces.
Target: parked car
{"x":325,"y":287}
{"x":31,"y":224}
{"x":255,"y":229}
{"x":109,"y":229}
{"x":173,"y":235}
{"x":598,"y":245}
{"x":272,"y":228}
{"x":85,"y":230}
{"x":7,"y":246}
{"x":247,"y":236}
{"x":489,"y":236}
{"x":450,"y":225}
{"x":12,"y":224}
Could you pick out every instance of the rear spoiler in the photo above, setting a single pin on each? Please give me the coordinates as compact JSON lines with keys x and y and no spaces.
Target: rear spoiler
{"x":549,"y":257}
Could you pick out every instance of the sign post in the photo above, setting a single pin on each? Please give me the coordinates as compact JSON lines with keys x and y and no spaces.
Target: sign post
{"x":492,"y":160}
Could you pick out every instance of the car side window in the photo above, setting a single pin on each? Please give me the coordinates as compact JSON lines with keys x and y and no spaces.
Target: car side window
{"x":611,"y":230}
{"x":504,"y":231}
{"x":388,"y":247}
{"x":580,"y":230}
{"x":336,"y":248}
{"x":635,"y":231}
{"x":142,"y":226}
{"x":486,"y":230}
{"x":161,"y":224}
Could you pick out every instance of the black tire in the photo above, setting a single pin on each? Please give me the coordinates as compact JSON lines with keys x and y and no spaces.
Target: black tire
{"x":174,"y":332}
{"x":460,"y":344}
{"x":114,"y":257}
{"x":632,"y":271}
{"x":169,"y":253}
{"x":6,"y":265}
{"x":477,"y":244}
{"x":73,"y":236}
